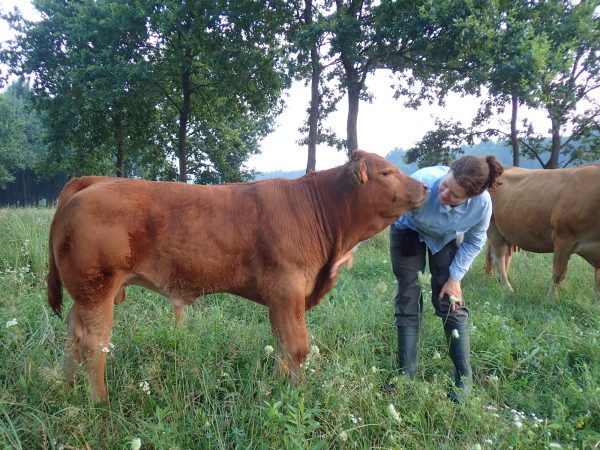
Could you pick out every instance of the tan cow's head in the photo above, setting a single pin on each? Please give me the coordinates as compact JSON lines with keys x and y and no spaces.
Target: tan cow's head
{"x":390,"y":192}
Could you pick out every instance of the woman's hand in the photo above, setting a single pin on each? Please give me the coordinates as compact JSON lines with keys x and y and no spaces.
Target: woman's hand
{"x":454,"y":292}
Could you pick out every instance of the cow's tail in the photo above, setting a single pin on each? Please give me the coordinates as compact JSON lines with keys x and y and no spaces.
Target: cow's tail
{"x":54,"y":284}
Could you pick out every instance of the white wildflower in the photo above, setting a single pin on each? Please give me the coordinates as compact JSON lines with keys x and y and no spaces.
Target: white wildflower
{"x":352,"y":418}
{"x":455,"y":334}
{"x":518,"y":424}
{"x":393,"y":413}
{"x":488,"y":442}
{"x":105,"y":350}
{"x":269,"y":349}
{"x":374,"y":369}
{"x":436,"y":355}
{"x":454,"y":300}
{"x":476,"y":447}
{"x":111,"y":345}
{"x":493,"y":379}
{"x":11,"y":323}
{"x":136,"y":444}
{"x":314,"y":350}
{"x":145,"y":387}
{"x":554,"y":445}
{"x":343,"y":436}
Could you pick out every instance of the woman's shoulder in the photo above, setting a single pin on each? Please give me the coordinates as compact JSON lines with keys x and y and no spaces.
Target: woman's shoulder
{"x":430,"y":175}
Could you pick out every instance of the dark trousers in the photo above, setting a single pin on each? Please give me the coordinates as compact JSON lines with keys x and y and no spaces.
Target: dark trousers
{"x":408,"y":259}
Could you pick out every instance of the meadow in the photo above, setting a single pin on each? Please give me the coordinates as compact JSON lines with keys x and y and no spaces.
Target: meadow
{"x":213,"y":383}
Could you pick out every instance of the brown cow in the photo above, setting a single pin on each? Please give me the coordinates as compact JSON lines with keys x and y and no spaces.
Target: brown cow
{"x":277,"y":242}
{"x":545,"y":211}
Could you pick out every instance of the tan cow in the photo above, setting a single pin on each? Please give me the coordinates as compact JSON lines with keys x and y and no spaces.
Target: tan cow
{"x":545,"y":211}
{"x":277,"y":242}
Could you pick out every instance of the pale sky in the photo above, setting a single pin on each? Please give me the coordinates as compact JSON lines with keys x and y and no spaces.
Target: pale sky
{"x":382,"y":125}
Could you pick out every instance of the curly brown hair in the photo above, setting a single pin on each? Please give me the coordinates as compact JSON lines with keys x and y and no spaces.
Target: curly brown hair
{"x":477,"y":173}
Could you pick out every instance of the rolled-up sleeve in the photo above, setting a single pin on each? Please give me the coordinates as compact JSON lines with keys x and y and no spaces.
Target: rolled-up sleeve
{"x":472,"y":244}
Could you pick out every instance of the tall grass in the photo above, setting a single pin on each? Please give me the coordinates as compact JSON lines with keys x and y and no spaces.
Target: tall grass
{"x":212,"y":384}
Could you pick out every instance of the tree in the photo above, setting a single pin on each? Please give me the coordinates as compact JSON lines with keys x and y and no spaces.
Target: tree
{"x":12,"y":138}
{"x":538,"y":54}
{"x":24,"y":178}
{"x":90,"y":77}
{"x":218,"y":64}
{"x":308,"y":36}
{"x":573,"y":74}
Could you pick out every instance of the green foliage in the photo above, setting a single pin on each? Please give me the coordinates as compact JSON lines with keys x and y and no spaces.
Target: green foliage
{"x":127,"y":86}
{"x":21,"y":133}
{"x":211,"y":384}
{"x":438,"y":147}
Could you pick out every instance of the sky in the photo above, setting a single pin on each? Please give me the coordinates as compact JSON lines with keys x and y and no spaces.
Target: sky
{"x":383,"y":124}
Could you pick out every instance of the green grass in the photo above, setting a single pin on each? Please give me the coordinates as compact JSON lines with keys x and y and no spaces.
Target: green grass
{"x":536,"y":363}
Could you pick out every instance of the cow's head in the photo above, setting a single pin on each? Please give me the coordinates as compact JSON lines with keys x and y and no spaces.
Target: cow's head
{"x":390,"y":192}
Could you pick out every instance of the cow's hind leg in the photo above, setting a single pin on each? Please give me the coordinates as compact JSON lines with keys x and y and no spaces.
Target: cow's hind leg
{"x":90,"y":326}
{"x":72,"y":350}
{"x":179,"y":305}
{"x":563,"y":247}
{"x":96,"y":323}
{"x":498,"y":252}
{"x":501,"y":256}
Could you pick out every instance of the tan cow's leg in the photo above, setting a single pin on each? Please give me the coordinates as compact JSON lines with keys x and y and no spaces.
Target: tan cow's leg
{"x":499,"y":253}
{"x":289,"y":327}
{"x":72,"y":351}
{"x":179,"y":305}
{"x":563,"y":247}
{"x":93,"y":327}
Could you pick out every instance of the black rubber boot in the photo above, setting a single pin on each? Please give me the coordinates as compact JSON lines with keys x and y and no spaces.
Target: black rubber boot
{"x":408,"y":347}
{"x":459,"y":346}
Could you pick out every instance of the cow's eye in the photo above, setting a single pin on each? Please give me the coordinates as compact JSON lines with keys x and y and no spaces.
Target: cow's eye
{"x":386,"y":173}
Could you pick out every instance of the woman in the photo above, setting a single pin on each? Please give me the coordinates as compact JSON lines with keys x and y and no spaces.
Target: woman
{"x":458,"y":205}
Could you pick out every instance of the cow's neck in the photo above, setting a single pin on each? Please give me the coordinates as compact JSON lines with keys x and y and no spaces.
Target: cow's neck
{"x":339,"y":201}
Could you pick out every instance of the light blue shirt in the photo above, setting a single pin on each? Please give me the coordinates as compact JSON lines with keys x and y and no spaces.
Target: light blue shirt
{"x":438,"y":224}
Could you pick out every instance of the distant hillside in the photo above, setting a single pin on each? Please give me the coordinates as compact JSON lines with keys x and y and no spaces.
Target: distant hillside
{"x":499,"y":149}
{"x":280,"y":174}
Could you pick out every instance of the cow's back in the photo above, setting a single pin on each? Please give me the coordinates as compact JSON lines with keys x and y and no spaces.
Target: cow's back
{"x":186,"y":240}
{"x":531,"y":206}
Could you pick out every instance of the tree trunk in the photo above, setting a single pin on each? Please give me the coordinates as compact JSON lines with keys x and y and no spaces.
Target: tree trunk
{"x":351,"y":128}
{"x":555,"y":149}
{"x":24,"y":184}
{"x":315,"y":103}
{"x":513,"y":130}
{"x":119,"y":152}
{"x":183,"y":121}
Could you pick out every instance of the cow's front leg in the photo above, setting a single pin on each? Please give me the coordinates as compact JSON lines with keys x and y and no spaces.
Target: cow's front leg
{"x":289,"y":327}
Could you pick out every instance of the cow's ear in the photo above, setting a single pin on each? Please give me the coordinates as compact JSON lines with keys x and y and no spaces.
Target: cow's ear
{"x":359,"y":171}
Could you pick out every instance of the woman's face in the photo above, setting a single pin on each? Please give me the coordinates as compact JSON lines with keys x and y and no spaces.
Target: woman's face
{"x":452,"y":193}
